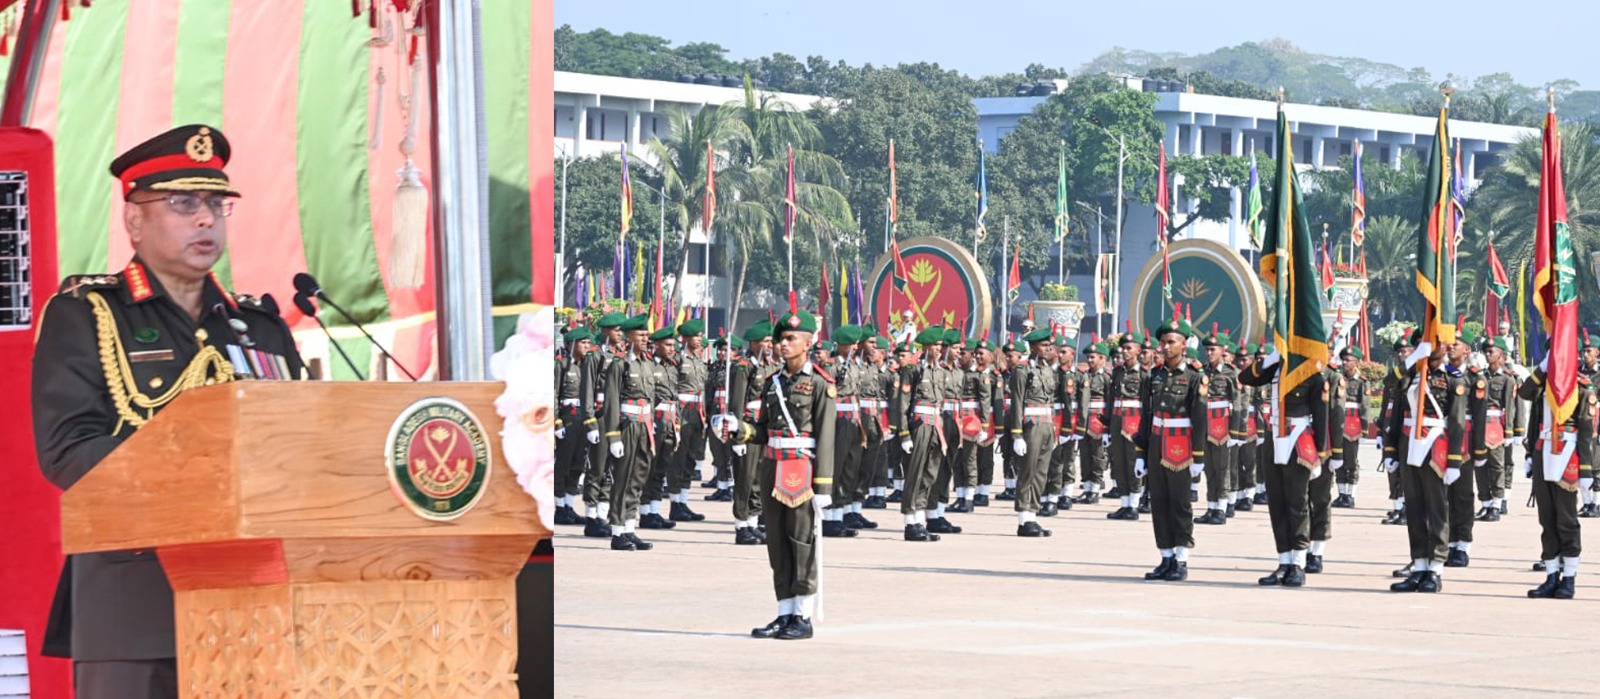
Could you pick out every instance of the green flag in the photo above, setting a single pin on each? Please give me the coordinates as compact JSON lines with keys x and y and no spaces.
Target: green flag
{"x":1288,"y":266}
{"x":1061,"y":193}
{"x":1253,"y":207}
{"x":1436,"y":260}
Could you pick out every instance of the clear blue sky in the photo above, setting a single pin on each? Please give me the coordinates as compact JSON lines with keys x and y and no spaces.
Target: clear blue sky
{"x":1468,"y":38}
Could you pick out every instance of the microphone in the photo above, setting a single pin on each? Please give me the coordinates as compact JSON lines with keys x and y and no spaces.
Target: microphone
{"x":308,"y":286}
{"x":304,"y":304}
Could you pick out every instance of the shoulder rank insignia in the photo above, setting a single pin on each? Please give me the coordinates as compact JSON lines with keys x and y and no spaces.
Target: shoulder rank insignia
{"x":76,"y":284}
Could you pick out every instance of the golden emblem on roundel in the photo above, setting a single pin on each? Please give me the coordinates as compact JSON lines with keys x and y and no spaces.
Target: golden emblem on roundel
{"x":199,"y":147}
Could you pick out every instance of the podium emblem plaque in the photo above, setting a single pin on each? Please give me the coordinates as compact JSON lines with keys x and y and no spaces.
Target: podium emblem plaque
{"x":438,"y":458}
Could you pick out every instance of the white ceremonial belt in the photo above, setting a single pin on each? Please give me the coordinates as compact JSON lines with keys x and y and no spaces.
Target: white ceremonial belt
{"x":688,"y":398}
{"x":1171,"y":422}
{"x":1218,"y":404}
{"x":572,"y":402}
{"x":870,"y":405}
{"x":719,"y":394}
{"x":925,"y":410}
{"x":1302,"y":421}
{"x":791,"y":442}
{"x":752,"y":405}
{"x":1418,"y":449}
{"x":1036,"y":412}
{"x":1097,"y":404}
{"x":845,"y":408}
{"x":634,"y":409}
{"x":1123,"y":403}
{"x":1426,"y":422}
{"x":1494,"y":413}
{"x":948,"y":406}
{"x":969,"y":405}
{"x":1352,"y":405}
{"x":1283,"y":447}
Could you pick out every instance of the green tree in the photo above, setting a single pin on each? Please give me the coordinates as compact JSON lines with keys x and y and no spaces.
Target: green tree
{"x":681,"y":162}
{"x":594,"y":210}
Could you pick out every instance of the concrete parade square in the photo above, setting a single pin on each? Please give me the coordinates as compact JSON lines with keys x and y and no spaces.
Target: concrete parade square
{"x":985,"y":613}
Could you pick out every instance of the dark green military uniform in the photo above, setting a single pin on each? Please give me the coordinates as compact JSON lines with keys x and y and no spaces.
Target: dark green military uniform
{"x":1555,"y":489}
{"x":917,"y":419}
{"x":1492,"y":436}
{"x":1223,"y":382}
{"x":1124,"y":414}
{"x":113,"y":350}
{"x":1459,"y":496}
{"x":882,"y":453}
{"x":575,"y":393}
{"x":792,"y":429}
{"x":633,"y":384}
{"x":715,"y":393}
{"x":748,"y":377}
{"x":1296,"y":453}
{"x":1093,"y":431}
{"x":691,"y":447}
{"x":1172,"y":437}
{"x":948,"y":375}
{"x":977,"y":401}
{"x":850,"y":438}
{"x":1320,"y":495}
{"x":1443,"y":410}
{"x":1031,"y":422}
{"x":668,"y":421}
{"x":1349,"y":413}
{"x":597,"y":476}
{"x":1394,"y":401}
{"x":1063,"y":457}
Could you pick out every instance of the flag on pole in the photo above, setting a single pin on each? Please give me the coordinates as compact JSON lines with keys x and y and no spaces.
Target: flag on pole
{"x":659,"y":316}
{"x":1061,"y":193}
{"x":627,"y":193}
{"x":1499,"y":283}
{"x":1286,"y":265}
{"x":1435,"y":264}
{"x":1358,"y":201}
{"x":1458,"y":201}
{"x":858,"y":303}
{"x":822,"y":298}
{"x":1327,"y":271}
{"x":1163,"y":219}
{"x":638,"y":274}
{"x":1253,"y":206}
{"x":844,"y":295}
{"x":708,"y":211}
{"x":1524,"y":306}
{"x":899,"y":272}
{"x":1105,"y":274}
{"x":894,"y":194}
{"x":789,"y":202}
{"x":1014,"y":280}
{"x":1555,"y":282}
{"x":983,"y":195}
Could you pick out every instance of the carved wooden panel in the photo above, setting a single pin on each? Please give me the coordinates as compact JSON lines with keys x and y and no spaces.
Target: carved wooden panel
{"x":235,"y":643}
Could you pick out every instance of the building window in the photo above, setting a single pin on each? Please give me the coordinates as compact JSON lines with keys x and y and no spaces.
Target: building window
{"x":1305,"y":151}
{"x":1344,"y":148}
{"x":697,"y":260}
{"x":1383,"y":153}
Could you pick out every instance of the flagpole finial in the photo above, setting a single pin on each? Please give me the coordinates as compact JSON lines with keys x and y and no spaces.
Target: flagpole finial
{"x":1280,"y":97}
{"x":1448,"y":87}
{"x":1550,"y":98}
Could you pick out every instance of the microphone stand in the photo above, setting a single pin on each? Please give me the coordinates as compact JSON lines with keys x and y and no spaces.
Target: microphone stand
{"x":324,"y":298}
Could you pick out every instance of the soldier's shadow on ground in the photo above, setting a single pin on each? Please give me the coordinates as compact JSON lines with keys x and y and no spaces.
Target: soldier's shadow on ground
{"x":661,"y":632}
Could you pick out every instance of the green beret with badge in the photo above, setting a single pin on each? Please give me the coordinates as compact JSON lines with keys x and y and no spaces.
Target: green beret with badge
{"x":1177,"y":326}
{"x":758,"y":332}
{"x":1038,"y":335}
{"x":611,"y":320}
{"x":952,"y":337}
{"x":580,"y":334}
{"x":666,"y":333}
{"x":795,"y":321}
{"x":931,"y":336}
{"x":638,"y":322}
{"x":1351,"y":353}
{"x":691,"y":327}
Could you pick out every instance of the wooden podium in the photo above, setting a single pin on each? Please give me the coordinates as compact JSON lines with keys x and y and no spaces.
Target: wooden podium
{"x":299,"y":570}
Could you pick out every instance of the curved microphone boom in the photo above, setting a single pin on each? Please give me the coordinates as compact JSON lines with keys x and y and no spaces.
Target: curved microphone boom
{"x":304,"y":304}
{"x":307,"y":285}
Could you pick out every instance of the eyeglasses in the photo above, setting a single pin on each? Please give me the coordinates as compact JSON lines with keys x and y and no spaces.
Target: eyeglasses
{"x":189,"y":204}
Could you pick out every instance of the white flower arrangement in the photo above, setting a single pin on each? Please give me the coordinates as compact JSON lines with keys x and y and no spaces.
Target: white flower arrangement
{"x":527,"y":364}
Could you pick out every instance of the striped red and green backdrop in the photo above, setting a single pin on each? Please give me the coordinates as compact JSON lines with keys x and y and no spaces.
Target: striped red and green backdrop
{"x":294,"y":86}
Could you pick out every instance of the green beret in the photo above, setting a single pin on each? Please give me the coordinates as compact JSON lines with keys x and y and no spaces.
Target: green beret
{"x":736,"y":342}
{"x":579,"y":335}
{"x":1192,"y":353}
{"x":802,"y":321}
{"x":881,"y":342}
{"x":1501,"y":343}
{"x":1351,"y":353}
{"x":1592,"y":341}
{"x":1099,"y":348}
{"x":638,"y":322}
{"x":692,"y":327}
{"x":611,"y":320}
{"x":931,"y":336}
{"x":1128,"y":338}
{"x":1062,"y":341}
{"x":868,"y":330}
{"x":665,"y":333}
{"x":1176,"y":325}
{"x":1147,"y":341}
{"x":1416,"y":337}
{"x":952,"y":337}
{"x":904,"y":347}
{"x":1252,"y":348}
{"x":1038,"y":335}
{"x":827,"y":345}
{"x":757,"y":332}
{"x":1467,"y":337}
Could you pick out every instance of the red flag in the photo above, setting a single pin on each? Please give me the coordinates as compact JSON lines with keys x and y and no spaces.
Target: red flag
{"x":1163,"y":219}
{"x":901,"y":275}
{"x":894,"y":194}
{"x":789,"y":202}
{"x":658,"y":315}
{"x":1555,"y":280}
{"x":1014,"y":281}
{"x":822,"y":303}
{"x":1327,"y":270}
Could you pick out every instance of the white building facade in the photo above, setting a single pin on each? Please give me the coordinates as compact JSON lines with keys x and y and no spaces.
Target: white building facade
{"x":1198,"y":125}
{"x":600,"y":114}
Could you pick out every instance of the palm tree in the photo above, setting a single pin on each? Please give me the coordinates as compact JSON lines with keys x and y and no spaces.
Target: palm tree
{"x":1509,"y":198}
{"x":681,"y":160}
{"x":1391,"y":247}
{"x":764,"y":129}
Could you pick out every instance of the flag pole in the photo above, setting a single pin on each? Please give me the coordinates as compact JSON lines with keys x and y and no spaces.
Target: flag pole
{"x":1005,"y":281}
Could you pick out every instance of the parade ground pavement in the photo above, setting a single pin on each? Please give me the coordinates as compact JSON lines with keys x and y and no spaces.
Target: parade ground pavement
{"x":987,"y":614}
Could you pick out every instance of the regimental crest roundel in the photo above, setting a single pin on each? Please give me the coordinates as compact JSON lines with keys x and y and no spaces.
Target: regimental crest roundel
{"x":438,"y":458}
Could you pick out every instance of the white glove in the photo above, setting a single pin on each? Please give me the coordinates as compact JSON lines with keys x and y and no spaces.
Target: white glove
{"x":1105,"y":441}
{"x":1196,"y":468}
{"x":905,"y":445}
{"x":593,"y":436}
{"x":1336,"y":464}
{"x":1138,"y":468}
{"x":1063,"y":439}
{"x":821,"y":502}
{"x":1316,"y":473}
{"x":1451,"y":475}
{"x":561,"y":433}
{"x":1527,"y":467}
{"x":1423,"y":351}
{"x":983,"y":436}
{"x":1544,"y":364}
{"x":1234,"y":442}
{"x":1389,"y":465}
{"x":1019,"y":446}
{"x":741,"y":449}
{"x":1478,"y":463}
{"x":616,"y":449}
{"x":1260,"y":441}
{"x":1271,"y":359}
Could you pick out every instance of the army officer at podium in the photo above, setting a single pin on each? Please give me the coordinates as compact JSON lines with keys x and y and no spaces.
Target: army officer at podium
{"x":112,"y":351}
